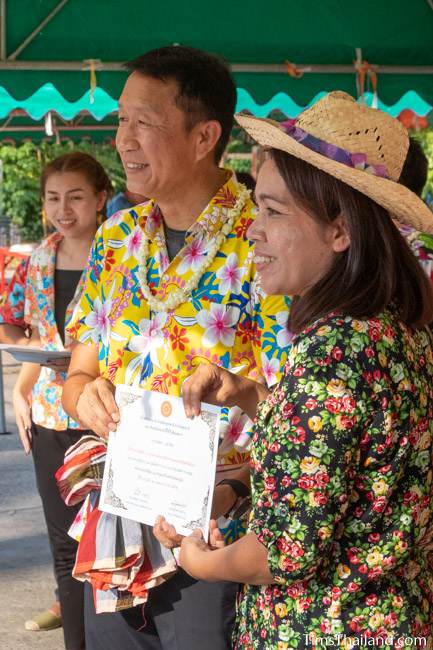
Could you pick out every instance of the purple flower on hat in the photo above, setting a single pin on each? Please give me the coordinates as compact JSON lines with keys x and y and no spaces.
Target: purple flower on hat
{"x":359,"y":160}
{"x":331,"y":151}
{"x":380,"y":170}
{"x":287,"y":125}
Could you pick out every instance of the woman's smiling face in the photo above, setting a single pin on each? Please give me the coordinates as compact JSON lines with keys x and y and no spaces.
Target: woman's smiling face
{"x":292,"y":250}
{"x":71,"y":204}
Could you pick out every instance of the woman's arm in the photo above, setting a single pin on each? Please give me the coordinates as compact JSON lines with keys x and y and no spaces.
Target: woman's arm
{"x":213,"y":384}
{"x":26,"y":379}
{"x":244,"y":561}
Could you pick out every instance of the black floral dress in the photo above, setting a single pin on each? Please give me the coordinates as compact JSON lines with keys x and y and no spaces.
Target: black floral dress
{"x":342,"y":492}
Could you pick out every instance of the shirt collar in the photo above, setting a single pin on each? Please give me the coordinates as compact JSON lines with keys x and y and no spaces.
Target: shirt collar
{"x":212,"y":218}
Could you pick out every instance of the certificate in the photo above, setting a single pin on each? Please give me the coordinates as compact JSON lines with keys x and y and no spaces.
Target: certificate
{"x":159,"y":462}
{"x":35,"y":355}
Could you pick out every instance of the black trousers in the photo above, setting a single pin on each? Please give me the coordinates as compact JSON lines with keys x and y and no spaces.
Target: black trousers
{"x":181,"y":614}
{"x":49,"y":449}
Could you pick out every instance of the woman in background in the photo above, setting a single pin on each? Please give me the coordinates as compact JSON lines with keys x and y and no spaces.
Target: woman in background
{"x":74,"y":193}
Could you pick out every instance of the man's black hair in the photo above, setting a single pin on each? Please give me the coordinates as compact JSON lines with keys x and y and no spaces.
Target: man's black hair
{"x":206,"y":87}
{"x":415,"y":168}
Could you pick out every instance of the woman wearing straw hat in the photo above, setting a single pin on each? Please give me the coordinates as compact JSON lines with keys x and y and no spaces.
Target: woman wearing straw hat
{"x":342,"y":508}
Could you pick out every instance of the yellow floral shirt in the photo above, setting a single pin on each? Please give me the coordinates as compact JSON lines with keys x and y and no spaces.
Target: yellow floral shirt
{"x":227,"y":319}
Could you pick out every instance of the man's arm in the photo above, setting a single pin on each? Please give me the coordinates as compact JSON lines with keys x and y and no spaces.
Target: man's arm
{"x":225,"y":496}
{"x":87,"y":397}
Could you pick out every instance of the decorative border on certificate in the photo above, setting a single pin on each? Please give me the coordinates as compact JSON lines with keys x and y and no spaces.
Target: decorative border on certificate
{"x":160,"y":462}
{"x":110,"y":498}
{"x":212,"y":420}
{"x":124,"y":398}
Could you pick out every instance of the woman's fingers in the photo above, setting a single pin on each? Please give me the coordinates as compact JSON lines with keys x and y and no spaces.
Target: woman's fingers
{"x":25,"y":433}
{"x":166,"y":534}
{"x":26,"y":419}
{"x":28,"y":439}
{"x":23,"y":420}
{"x":216,"y":538}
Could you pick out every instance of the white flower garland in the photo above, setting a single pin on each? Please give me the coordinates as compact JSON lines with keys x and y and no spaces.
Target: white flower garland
{"x":180,"y":296}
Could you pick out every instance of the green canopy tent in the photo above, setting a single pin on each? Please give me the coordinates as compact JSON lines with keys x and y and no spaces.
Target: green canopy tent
{"x":51,"y":42}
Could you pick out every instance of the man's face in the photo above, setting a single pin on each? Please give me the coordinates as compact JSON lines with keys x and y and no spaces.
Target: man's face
{"x":157,"y":151}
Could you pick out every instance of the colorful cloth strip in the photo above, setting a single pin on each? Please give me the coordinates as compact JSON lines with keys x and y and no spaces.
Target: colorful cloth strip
{"x":331,"y":151}
{"x":119,"y":557}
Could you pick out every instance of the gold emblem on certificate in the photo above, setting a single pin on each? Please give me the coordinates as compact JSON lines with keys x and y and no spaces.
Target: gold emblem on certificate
{"x":166,"y":409}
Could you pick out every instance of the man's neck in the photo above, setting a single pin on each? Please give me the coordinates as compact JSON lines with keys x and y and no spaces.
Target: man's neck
{"x":182,"y":209}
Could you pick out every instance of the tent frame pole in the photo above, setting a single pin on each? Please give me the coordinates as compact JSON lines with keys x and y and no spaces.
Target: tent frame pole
{"x":267,"y":68}
{"x":37,"y":30}
{"x":5,"y":128}
{"x":3,"y":44}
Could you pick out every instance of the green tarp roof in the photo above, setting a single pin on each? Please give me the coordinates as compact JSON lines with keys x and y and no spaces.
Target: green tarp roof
{"x":390,"y":32}
{"x":245,"y":32}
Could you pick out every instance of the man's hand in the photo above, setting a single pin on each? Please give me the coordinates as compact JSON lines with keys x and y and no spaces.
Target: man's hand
{"x":97,"y":408}
{"x":87,"y":397}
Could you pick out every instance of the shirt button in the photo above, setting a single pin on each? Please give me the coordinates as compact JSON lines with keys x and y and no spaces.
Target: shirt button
{"x":164,"y":278}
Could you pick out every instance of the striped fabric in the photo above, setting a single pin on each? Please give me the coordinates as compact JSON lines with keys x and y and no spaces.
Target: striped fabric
{"x":119,"y":557}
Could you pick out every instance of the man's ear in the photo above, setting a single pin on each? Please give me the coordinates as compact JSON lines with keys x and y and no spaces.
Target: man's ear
{"x":207,"y":135}
{"x":340,"y":237}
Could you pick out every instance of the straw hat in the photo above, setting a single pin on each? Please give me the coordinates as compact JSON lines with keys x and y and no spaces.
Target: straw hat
{"x":363,"y":147}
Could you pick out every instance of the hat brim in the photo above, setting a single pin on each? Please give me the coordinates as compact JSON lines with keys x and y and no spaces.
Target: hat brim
{"x":403,"y":204}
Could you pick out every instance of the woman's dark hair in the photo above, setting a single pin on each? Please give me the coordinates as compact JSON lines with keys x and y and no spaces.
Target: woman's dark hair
{"x":377,"y":270}
{"x":206,"y":87}
{"x":246,"y":179}
{"x":415,"y":168}
{"x":82,"y":163}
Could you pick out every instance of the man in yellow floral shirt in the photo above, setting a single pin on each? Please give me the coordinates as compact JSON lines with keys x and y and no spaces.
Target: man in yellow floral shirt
{"x":172,"y":284}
